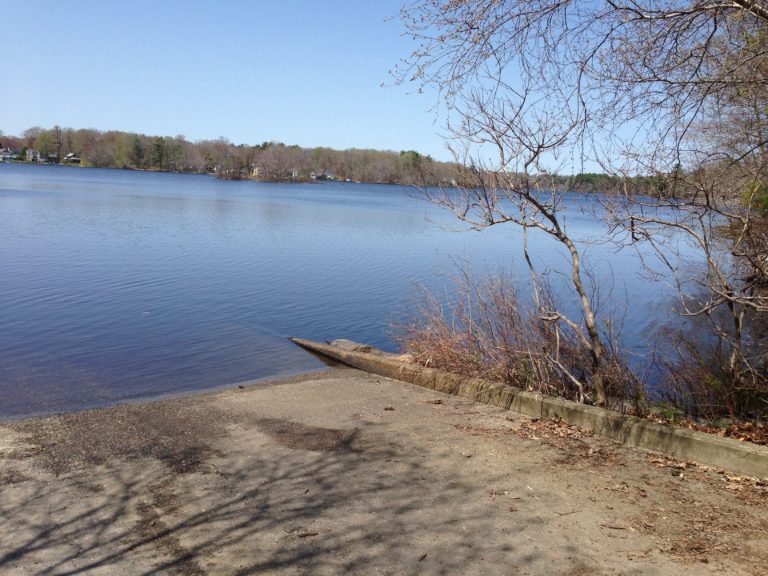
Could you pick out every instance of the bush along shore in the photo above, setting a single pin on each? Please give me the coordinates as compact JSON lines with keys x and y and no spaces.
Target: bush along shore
{"x":487,"y":333}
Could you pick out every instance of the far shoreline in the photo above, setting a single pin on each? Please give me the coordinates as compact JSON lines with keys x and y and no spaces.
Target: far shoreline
{"x":318,"y":181}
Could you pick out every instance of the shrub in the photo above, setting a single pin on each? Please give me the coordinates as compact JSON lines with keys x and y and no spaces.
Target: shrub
{"x":485,"y":332}
{"x":701,"y":381}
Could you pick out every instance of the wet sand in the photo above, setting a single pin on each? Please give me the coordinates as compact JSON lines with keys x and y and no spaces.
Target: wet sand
{"x":345,"y":472}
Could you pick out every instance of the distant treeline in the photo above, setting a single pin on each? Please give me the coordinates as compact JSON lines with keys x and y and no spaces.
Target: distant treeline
{"x":266,"y":161}
{"x":272,"y":161}
{"x":655,"y":185}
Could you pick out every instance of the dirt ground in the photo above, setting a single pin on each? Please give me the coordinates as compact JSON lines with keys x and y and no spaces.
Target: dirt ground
{"x":344,"y":472}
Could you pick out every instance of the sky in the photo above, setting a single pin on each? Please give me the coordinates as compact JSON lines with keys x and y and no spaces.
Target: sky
{"x":295,"y":71}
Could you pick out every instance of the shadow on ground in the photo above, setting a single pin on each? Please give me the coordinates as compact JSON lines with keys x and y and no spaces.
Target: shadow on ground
{"x":221,"y":495}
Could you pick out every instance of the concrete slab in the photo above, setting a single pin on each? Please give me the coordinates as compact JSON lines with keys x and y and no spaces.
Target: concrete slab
{"x":739,"y":457}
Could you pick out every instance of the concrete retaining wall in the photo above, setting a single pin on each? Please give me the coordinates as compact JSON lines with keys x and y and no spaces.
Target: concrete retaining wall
{"x":742,"y":458}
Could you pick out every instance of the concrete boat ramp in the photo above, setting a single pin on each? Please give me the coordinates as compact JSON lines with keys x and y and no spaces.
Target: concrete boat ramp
{"x":348,"y":472}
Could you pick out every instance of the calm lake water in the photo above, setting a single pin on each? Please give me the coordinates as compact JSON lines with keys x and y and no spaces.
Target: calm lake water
{"x":118,"y":285}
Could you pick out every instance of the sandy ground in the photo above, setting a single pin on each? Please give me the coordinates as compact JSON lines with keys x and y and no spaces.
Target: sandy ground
{"x":342,"y":472}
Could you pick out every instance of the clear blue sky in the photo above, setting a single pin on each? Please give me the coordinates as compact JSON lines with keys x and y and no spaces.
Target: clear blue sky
{"x":298,"y":71}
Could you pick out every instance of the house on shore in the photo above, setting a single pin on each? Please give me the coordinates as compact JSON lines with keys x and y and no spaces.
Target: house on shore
{"x":322,"y":175}
{"x":5,"y":155}
{"x":8,"y":155}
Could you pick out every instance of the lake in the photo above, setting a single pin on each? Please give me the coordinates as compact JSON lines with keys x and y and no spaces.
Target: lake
{"x":119,"y":285}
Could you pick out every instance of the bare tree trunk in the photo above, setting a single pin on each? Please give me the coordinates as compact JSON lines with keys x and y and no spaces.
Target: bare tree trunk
{"x":596,"y":343}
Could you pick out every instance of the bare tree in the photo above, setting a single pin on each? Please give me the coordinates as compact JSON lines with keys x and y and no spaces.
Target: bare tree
{"x":672,"y":88}
{"x":515,"y":191}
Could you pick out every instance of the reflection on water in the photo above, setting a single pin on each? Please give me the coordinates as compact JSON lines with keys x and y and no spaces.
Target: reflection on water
{"x":119,"y":285}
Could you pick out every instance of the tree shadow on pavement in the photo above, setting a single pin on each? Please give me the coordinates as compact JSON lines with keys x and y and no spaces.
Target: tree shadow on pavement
{"x":285,"y":498}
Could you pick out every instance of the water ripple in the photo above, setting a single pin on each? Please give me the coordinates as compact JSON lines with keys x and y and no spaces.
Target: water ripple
{"x":119,"y":285}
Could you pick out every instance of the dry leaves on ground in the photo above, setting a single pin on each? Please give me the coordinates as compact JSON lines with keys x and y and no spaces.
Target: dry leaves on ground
{"x":574,"y":443}
{"x":751,"y":487}
{"x":754,"y":432}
